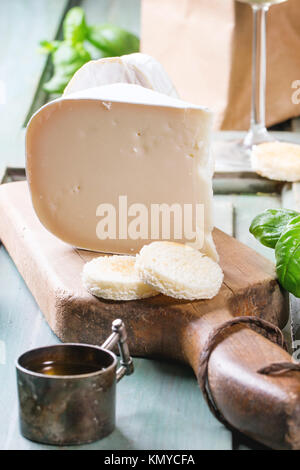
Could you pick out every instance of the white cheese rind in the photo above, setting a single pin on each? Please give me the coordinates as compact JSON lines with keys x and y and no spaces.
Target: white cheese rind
{"x":91,"y":147}
{"x":137,"y":69}
{"x":131,"y":94}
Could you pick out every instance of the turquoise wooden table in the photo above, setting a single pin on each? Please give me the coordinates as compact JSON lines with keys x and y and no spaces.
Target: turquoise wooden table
{"x":160,"y":405}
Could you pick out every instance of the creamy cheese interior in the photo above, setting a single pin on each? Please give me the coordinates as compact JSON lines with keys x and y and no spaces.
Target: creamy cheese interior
{"x":88,"y":149}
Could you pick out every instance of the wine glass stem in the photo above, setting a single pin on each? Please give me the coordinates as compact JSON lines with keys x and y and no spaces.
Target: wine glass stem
{"x":258,"y":132}
{"x":259,"y":67}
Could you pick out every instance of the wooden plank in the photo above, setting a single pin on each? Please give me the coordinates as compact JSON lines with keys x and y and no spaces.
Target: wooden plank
{"x":23,"y":25}
{"x":13,"y":174}
{"x":244,"y":182}
{"x":212,"y":436}
{"x":238,"y":135}
{"x":296,"y":195}
{"x":159,"y":406}
{"x":223,"y":215}
{"x":53,"y":284}
{"x":115,"y":15}
{"x":295,"y":124}
{"x":223,"y":149}
{"x":12,"y":153}
{"x":41,"y":97}
{"x":245,"y":272}
{"x":99,"y":11}
{"x":291,"y":200}
{"x":21,"y":328}
{"x":21,"y":76}
{"x":246,"y":207}
{"x":295,"y":321}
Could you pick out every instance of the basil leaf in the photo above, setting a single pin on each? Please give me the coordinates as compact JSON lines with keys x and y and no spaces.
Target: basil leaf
{"x":67,"y":59}
{"x":57,"y":83}
{"x":74,"y":26}
{"x":287,"y":254}
{"x":113,"y":40}
{"x":268,"y":226}
{"x":48,"y":46}
{"x":80,"y":44}
{"x":94,"y":51}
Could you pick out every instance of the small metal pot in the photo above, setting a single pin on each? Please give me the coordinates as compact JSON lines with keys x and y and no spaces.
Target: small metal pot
{"x":71,"y":409}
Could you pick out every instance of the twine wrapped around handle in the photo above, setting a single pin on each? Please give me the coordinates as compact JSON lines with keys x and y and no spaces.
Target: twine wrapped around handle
{"x":270,"y":331}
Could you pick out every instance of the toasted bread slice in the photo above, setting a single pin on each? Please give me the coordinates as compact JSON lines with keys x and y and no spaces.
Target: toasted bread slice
{"x":179,"y":271}
{"x":277,"y":161}
{"x":114,"y":277}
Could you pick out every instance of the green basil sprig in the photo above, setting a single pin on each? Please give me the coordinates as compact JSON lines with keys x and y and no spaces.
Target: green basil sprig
{"x":74,"y":26}
{"x":82,"y":43}
{"x":67,"y":59}
{"x":287,"y":252}
{"x":113,"y":40}
{"x":269,"y":225}
{"x":280,"y":229}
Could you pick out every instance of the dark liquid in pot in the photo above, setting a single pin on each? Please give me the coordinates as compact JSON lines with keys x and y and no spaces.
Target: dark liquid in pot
{"x":59,"y":368}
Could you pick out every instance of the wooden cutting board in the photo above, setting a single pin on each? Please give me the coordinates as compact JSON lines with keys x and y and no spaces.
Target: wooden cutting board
{"x":266,"y":408}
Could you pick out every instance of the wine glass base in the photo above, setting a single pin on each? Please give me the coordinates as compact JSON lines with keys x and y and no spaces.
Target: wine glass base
{"x":232,"y":156}
{"x":257,"y":135}
{"x":236,"y":155}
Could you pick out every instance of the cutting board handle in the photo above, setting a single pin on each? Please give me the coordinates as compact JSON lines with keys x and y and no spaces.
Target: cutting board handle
{"x":264,"y":407}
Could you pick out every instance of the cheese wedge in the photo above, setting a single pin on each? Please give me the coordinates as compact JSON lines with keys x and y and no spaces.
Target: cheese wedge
{"x":137,"y":69}
{"x":114,"y":278}
{"x":179,"y":271}
{"x":109,"y":166}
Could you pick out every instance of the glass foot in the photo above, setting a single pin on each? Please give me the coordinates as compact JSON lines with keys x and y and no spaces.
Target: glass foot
{"x":231,"y":156}
{"x":257,"y":135}
{"x":236,"y":155}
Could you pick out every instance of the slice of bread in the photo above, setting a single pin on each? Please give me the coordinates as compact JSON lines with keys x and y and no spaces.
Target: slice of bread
{"x":179,"y":271}
{"x":114,"y":277}
{"x":277,"y":161}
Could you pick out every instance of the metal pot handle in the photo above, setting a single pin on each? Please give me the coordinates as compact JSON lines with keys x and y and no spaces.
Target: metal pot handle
{"x":119,"y":336}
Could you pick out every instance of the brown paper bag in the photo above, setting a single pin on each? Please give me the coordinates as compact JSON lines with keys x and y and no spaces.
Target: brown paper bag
{"x":205,"y":46}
